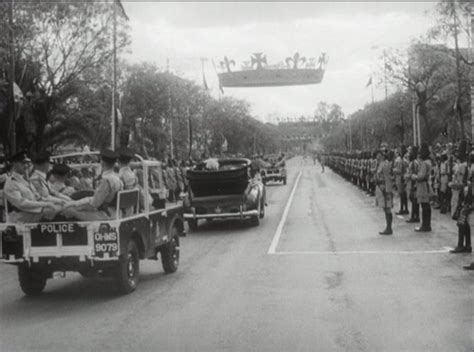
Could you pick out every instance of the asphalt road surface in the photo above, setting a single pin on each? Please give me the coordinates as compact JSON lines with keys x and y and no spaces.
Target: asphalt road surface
{"x":314,"y":276}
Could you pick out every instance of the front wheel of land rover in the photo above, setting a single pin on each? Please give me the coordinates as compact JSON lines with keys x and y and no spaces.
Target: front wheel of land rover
{"x":128,"y":269}
{"x":32,"y":280}
{"x":193,"y":224}
{"x":170,"y":253}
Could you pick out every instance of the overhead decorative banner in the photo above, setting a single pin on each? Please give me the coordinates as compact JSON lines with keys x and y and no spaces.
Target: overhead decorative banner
{"x":296,"y":70}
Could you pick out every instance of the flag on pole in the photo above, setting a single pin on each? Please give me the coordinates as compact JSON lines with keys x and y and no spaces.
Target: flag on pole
{"x":369,"y":83}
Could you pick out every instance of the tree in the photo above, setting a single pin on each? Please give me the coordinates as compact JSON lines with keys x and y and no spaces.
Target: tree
{"x":57,"y":46}
{"x":452,"y":22}
{"x":424,"y":70}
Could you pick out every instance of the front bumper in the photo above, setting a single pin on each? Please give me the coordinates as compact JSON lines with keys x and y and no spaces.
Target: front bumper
{"x":240,"y":215}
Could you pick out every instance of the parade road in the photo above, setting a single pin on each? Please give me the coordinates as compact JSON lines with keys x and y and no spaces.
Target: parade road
{"x":314,"y":276}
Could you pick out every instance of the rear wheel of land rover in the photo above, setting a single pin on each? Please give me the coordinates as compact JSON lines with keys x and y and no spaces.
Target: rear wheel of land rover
{"x":128,"y":269}
{"x":32,"y":281}
{"x":170,"y":253}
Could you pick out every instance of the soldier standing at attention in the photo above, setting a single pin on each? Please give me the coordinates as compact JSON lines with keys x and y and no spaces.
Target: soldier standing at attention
{"x":399,"y":170}
{"x":412,"y":170}
{"x":127,"y":176}
{"x":384,"y":195}
{"x":102,"y":205}
{"x":422,"y":188}
{"x":24,"y":203}
{"x":443,"y":180}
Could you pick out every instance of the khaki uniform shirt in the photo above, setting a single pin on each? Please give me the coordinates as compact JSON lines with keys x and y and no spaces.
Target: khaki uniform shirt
{"x":21,"y":195}
{"x":128,"y":178}
{"x":109,"y":185}
{"x":43,"y":188}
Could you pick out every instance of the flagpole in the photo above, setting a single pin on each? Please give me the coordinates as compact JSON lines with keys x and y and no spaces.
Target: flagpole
{"x":114,"y":77}
{"x":372,"y":89}
{"x":12,"y":125}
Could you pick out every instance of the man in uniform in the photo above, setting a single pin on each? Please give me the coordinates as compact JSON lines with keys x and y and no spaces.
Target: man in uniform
{"x":24,"y":203}
{"x":127,"y":176}
{"x":102,"y":205}
{"x":384,"y":195}
{"x":38,"y":179}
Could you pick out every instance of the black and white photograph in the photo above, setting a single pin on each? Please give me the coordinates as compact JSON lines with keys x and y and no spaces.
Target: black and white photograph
{"x":236,"y":176}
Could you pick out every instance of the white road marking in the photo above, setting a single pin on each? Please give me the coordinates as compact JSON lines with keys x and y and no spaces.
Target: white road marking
{"x":279,"y":230}
{"x":444,"y":250}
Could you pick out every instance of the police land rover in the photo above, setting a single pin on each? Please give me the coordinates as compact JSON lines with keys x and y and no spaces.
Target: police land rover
{"x":145,"y":227}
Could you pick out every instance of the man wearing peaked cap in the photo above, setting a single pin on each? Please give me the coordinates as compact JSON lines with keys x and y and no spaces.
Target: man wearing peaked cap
{"x":108,"y":156}
{"x":127,"y":176}
{"x":102,"y":205}
{"x":42,"y":164}
{"x":20,"y":157}
{"x":24,"y":203}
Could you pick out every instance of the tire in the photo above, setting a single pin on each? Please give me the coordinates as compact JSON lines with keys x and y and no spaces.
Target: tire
{"x":255,"y":219}
{"x":170,"y":253}
{"x":32,"y":281}
{"x":193,"y":224}
{"x":128,"y":269}
{"x":284,"y":181}
{"x":262,"y":209}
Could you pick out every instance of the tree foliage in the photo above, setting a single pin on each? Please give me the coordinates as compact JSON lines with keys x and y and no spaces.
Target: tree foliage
{"x":62,"y":55}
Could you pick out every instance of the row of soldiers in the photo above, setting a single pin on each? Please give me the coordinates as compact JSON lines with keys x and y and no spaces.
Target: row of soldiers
{"x":446,"y":183}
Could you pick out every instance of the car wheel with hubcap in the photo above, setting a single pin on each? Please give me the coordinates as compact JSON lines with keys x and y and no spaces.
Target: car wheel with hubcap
{"x":128,"y":269}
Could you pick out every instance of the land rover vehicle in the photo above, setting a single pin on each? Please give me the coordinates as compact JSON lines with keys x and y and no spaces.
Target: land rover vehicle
{"x":228,"y":192}
{"x":275,"y":169}
{"x":144,"y":228}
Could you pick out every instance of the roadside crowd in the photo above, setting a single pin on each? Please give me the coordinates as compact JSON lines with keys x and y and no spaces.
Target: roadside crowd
{"x":429,"y":177}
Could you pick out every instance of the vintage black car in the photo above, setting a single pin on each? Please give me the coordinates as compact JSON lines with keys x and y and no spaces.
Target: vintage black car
{"x":224,"y":192}
{"x":146,"y":227}
{"x":274,"y":169}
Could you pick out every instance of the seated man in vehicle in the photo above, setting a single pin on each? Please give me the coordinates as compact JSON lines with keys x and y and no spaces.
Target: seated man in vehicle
{"x":59,"y":174}
{"x":102,"y":205}
{"x":23,"y":202}
{"x":42,"y":164}
{"x":127,"y":176}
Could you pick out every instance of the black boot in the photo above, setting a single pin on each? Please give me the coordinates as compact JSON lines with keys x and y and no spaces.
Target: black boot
{"x":404,"y":201}
{"x":388,"y":229}
{"x":467,"y":239}
{"x":415,"y":213}
{"x":442,"y":200}
{"x":460,"y":247}
{"x":425,"y":218}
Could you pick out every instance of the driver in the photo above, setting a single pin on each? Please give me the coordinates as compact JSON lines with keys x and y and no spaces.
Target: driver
{"x":102,"y":205}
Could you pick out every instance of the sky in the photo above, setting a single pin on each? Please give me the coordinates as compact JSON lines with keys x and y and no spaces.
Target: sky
{"x":353,"y":34}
